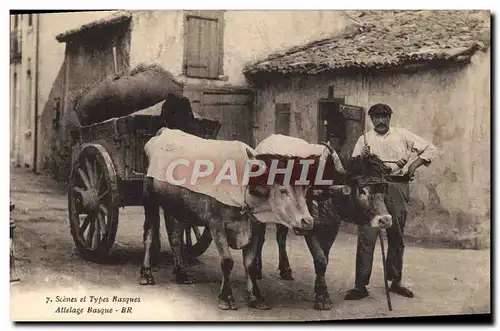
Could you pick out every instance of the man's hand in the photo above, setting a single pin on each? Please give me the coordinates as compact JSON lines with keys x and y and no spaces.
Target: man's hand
{"x":413,"y":167}
{"x":411,"y":173}
{"x":401,"y":163}
{"x":365,"y":151}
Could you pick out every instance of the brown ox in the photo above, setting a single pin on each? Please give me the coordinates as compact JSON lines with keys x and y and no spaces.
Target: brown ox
{"x":230,"y":226}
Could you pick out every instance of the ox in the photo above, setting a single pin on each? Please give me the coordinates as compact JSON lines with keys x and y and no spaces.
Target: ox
{"x":359,"y":198}
{"x":231,"y":226}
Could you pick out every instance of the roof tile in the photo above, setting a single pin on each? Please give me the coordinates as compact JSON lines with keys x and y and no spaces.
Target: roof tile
{"x":386,"y":39}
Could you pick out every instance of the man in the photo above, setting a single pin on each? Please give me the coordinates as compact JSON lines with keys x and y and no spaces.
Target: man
{"x":177,"y":113}
{"x":395,"y":145}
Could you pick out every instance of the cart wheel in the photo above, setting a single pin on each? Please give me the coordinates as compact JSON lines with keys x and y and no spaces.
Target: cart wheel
{"x":197,"y":239}
{"x":93,"y":202}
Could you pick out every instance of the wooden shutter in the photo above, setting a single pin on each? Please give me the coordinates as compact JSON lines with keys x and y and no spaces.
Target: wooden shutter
{"x":354,"y":125}
{"x":233,"y":111}
{"x":282,"y":119}
{"x":203,"y":46}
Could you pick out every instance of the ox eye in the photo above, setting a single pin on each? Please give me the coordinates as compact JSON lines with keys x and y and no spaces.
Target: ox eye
{"x":284,"y":191}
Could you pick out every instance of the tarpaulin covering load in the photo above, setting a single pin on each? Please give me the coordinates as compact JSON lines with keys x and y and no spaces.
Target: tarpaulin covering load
{"x":144,"y":86}
{"x":178,"y":114}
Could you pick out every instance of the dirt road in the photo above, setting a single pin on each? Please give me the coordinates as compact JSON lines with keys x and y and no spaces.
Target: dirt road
{"x":445,"y":281}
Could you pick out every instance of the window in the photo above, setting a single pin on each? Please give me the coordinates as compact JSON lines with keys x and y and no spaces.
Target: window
{"x":282,"y":119}
{"x":15,"y":40}
{"x":30,"y":19}
{"x":203,"y":44}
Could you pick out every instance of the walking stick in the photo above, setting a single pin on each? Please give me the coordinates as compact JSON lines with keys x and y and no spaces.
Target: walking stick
{"x":386,"y":283}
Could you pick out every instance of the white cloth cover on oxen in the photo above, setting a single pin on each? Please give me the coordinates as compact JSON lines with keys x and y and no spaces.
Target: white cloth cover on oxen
{"x":292,"y":146}
{"x":289,"y":146}
{"x":171,"y":145}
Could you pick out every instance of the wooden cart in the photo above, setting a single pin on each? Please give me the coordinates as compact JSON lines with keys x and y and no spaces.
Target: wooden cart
{"x":107,"y":173}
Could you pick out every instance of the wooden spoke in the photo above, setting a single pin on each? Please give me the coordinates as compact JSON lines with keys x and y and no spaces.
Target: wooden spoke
{"x":99,"y":182}
{"x":90,"y":173}
{"x":189,"y":240}
{"x":94,"y":170}
{"x":84,"y":177}
{"x":197,"y":233}
{"x":93,"y":186}
{"x":85,"y":224}
{"x":103,"y":194}
{"x":90,"y":234}
{"x":102,"y":222}
{"x":97,"y":236}
{"x":103,"y":209}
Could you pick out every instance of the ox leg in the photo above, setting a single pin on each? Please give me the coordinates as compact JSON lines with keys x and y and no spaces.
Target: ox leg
{"x":255,"y":299}
{"x":284,"y":263}
{"x":151,"y":224}
{"x":226,"y":298}
{"x":259,"y":242}
{"x":175,"y":230}
{"x":319,"y":243}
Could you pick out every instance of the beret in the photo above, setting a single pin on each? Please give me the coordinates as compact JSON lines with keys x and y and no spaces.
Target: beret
{"x":380,"y":109}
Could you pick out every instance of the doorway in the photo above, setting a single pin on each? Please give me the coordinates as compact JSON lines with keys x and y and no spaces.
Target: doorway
{"x":341,"y":125}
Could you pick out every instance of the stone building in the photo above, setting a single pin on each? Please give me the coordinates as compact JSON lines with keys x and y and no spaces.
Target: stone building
{"x":35,"y":60}
{"x":205,"y":50}
{"x":23,"y":75}
{"x":433,"y":69}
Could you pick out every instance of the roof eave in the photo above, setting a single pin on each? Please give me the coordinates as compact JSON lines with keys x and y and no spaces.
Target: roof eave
{"x":111,"y":20}
{"x":423,"y":59}
{"x":254,"y":74}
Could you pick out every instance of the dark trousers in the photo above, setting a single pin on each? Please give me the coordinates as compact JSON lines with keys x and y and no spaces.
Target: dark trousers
{"x":396,"y":200}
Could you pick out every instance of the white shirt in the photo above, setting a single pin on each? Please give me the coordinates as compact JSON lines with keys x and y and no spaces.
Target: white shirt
{"x":396,"y":144}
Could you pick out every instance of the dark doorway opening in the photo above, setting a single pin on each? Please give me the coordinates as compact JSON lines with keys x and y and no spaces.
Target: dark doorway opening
{"x":340,"y":124}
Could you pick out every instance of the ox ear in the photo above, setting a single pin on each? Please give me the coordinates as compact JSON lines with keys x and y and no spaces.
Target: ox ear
{"x":250,"y":154}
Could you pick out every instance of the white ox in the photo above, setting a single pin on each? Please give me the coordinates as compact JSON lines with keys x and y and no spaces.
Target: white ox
{"x":228,"y":209}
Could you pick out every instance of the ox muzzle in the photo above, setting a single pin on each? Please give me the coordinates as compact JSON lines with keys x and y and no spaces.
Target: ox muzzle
{"x":307,"y":224}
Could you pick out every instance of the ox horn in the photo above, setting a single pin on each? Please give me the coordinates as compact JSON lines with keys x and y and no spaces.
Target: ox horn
{"x":337,"y":163}
{"x":340,"y":189}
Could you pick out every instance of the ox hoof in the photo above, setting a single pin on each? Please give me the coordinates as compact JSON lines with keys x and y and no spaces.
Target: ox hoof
{"x":147,"y":278}
{"x":286,"y":274}
{"x":323,"y":302}
{"x":183,"y":278}
{"x":227,"y":303}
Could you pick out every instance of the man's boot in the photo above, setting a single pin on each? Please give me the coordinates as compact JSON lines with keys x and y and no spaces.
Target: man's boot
{"x":397,"y":288}
{"x":356,"y":293}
